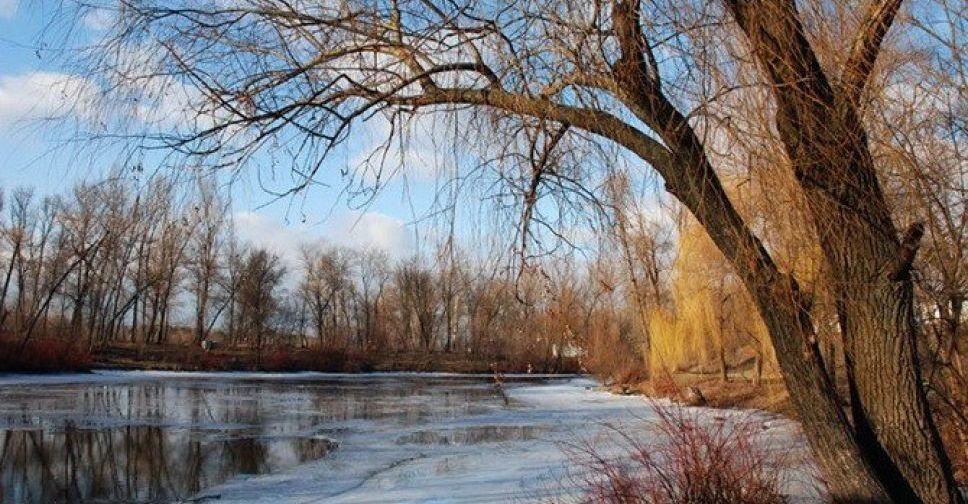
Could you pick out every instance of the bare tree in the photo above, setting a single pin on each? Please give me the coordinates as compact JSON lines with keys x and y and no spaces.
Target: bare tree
{"x":921,"y":132}
{"x":624,"y":73}
{"x":234,"y":265}
{"x":209,"y":214}
{"x":417,"y":301}
{"x":373,"y":270}
{"x":327,"y":289}
{"x":260,"y":279}
{"x":640,"y":247}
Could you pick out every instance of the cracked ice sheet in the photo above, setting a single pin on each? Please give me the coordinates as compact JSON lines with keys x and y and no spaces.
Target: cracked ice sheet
{"x":372,"y":466}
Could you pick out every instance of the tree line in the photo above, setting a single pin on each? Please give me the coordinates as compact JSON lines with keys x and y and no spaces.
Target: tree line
{"x":112,"y":264}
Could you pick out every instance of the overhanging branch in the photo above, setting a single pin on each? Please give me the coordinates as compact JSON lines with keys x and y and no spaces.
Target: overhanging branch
{"x":863,"y":53}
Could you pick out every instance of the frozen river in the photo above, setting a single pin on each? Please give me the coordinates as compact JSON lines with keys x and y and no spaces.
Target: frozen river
{"x":303,"y":438}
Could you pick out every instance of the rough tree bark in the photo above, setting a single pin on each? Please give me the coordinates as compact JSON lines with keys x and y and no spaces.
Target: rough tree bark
{"x":822,"y":130}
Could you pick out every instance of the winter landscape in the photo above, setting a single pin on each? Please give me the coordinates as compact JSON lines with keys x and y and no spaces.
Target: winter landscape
{"x":311,"y":437}
{"x":490,"y":251}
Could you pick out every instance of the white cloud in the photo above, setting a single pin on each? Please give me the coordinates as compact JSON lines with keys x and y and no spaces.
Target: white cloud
{"x":41,"y":95}
{"x":97,"y":19}
{"x":362,"y":230}
{"x":357,"y":230}
{"x":261,"y":231}
{"x":419,"y":148}
{"x":8,"y":8}
{"x":160,"y":104}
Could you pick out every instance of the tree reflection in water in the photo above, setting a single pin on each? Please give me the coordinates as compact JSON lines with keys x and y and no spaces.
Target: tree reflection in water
{"x":158,"y":440}
{"x":135,"y":463}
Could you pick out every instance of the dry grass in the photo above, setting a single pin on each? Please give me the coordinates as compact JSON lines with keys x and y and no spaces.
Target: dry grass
{"x":771,"y":395}
{"x":612,"y":356}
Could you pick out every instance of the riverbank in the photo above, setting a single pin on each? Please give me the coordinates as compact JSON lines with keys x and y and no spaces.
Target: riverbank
{"x":67,"y":356}
{"x":332,"y":360}
{"x":710,"y":390}
{"x":740,"y":393}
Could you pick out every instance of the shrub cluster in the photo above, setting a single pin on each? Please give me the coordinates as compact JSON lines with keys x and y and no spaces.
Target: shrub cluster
{"x":43,"y":356}
{"x":684,"y":462}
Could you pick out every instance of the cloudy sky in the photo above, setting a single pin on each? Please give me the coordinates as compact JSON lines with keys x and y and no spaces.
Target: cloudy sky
{"x":36,"y":153}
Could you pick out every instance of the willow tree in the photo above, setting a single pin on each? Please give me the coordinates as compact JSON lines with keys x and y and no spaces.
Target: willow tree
{"x":264,"y":77}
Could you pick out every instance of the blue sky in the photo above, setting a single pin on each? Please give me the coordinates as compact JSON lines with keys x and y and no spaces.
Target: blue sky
{"x":33,"y":153}
{"x":405,"y":218}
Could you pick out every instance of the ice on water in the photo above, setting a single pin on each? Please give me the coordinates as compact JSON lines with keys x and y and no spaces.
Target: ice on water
{"x":310,"y":437}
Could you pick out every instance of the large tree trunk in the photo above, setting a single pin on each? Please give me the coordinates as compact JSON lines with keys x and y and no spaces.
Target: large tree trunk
{"x":842,"y":458}
{"x":849,"y":474}
{"x":689,"y":177}
{"x":819,"y":147}
{"x":890,"y":410}
{"x":825,"y":140}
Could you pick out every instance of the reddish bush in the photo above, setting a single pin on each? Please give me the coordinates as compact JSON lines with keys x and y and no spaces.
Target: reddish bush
{"x":211,"y":361}
{"x":75,"y":357}
{"x":664,"y":385}
{"x":328,"y":359}
{"x":631,"y":373}
{"x":324,"y":359}
{"x":336,"y":359}
{"x":686,"y":463}
{"x":612,"y":356}
{"x":278,"y":359}
{"x":45,"y":355}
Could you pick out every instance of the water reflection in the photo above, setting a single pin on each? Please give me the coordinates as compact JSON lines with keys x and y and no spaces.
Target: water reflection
{"x":135,"y":463}
{"x":167,"y":439}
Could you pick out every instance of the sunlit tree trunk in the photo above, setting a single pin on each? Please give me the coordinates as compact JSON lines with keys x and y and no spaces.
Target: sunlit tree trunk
{"x":870,"y":266}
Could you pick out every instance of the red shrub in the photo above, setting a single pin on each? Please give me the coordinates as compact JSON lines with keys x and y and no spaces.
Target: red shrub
{"x":279,"y":359}
{"x":212,"y":361}
{"x":75,"y":358}
{"x":335,"y":359}
{"x":44,"y":355}
{"x":686,"y":463}
{"x":320,"y":358}
{"x":631,"y":373}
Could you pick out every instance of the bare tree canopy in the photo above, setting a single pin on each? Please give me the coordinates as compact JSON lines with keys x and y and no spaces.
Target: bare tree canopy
{"x":696,"y":91}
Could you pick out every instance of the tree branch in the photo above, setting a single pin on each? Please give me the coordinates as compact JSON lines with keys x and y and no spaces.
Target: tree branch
{"x":877,"y":21}
{"x":594,"y":121}
{"x":636,"y":61}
